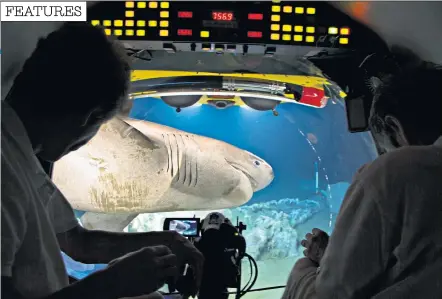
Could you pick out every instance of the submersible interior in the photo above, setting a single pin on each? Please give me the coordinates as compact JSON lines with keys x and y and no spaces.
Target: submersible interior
{"x":244,"y":83}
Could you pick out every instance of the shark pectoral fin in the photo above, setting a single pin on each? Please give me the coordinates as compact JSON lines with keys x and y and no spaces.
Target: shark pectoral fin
{"x":143,"y":132}
{"x":106,"y":222}
{"x":241,"y":193}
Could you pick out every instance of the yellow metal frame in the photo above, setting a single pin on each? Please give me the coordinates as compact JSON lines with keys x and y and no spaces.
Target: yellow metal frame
{"x":306,"y":81}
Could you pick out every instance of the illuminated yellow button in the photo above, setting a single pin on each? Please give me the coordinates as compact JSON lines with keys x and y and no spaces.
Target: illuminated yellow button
{"x":287,"y":28}
{"x":153,"y":23}
{"x":107,"y":23}
{"x":141,"y":32}
{"x":343,"y":41}
{"x":345,"y":31}
{"x":164,"y":32}
{"x":275,"y":27}
{"x":297,"y":38}
{"x":310,"y":39}
{"x":95,"y":22}
{"x":129,"y":14}
{"x":299,"y":10}
{"x":164,"y":4}
{"x":129,"y":23}
{"x":276,"y":18}
{"x":141,"y":23}
{"x":141,"y":4}
{"x":286,"y":37}
{"x":332,"y":30}
{"x":276,"y":1}
{"x":118,"y":23}
{"x":153,"y":4}
{"x":274,"y":36}
{"x":130,"y":4}
{"x":310,"y":29}
{"x":311,"y":10}
{"x":107,"y":31}
{"x":276,"y":8}
{"x":298,"y":29}
{"x":129,"y":32}
{"x":287,"y":9}
{"x":164,"y":14}
{"x":118,"y":32}
{"x":164,"y":23}
{"x":205,"y":34}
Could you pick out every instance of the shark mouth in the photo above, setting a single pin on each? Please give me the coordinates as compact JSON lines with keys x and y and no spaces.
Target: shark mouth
{"x":253,"y":182}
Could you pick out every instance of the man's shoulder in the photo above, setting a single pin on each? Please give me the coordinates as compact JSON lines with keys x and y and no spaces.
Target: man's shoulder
{"x":16,"y":190}
{"x":402,"y":176}
{"x":21,"y":172}
{"x":393,"y":173}
{"x":13,"y":156}
{"x":14,"y":135}
{"x":406,"y":162}
{"x":17,"y":158}
{"x":413,"y":153}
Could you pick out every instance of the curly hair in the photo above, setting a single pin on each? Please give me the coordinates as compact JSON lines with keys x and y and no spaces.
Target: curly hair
{"x":75,"y":69}
{"x":414,"y":96}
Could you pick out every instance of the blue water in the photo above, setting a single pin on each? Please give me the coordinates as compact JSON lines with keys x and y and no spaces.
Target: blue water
{"x":313,"y":157}
{"x":280,"y":140}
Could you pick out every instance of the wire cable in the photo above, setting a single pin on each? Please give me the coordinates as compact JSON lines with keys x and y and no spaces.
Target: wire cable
{"x":255,"y":265}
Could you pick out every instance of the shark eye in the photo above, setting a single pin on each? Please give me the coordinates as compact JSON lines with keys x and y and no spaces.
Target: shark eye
{"x":257,"y":163}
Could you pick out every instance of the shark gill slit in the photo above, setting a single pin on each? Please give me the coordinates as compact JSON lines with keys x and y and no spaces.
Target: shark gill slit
{"x":172,"y":161}
{"x":177,"y":158}
{"x":190,"y":165}
{"x":170,"y":155}
{"x":189,"y":160}
{"x":184,"y":158}
{"x":165,"y":142}
{"x":195,"y":162}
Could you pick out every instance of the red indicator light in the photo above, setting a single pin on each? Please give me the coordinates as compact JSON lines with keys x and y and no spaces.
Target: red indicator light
{"x":185,"y":14}
{"x":254,"y":34}
{"x":185,"y":32}
{"x":256,"y":16}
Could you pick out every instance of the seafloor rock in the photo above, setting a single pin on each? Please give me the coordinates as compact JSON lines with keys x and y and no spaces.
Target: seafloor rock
{"x":271,"y":226}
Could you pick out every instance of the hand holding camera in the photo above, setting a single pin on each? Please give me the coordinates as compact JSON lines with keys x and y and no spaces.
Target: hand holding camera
{"x":141,"y":272}
{"x":186,"y":253}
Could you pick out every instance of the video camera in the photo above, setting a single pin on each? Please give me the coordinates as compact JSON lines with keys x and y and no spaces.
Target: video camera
{"x":223,"y":247}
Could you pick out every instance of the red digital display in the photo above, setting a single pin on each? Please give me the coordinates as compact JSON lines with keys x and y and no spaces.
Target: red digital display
{"x":256,"y":16}
{"x":184,"y":32}
{"x":254,"y":34}
{"x":222,"y":16}
{"x":185,"y":14}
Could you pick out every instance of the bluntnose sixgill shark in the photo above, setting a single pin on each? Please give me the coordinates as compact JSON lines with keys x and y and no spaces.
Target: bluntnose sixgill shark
{"x":134,"y":166}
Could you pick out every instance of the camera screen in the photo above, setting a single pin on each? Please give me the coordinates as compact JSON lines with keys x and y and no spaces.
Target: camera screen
{"x":185,"y":227}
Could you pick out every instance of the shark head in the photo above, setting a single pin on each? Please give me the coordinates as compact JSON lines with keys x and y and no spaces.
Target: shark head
{"x":257,"y":170}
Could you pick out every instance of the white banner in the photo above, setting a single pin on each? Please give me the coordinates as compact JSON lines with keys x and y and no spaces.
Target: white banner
{"x":43,"y":11}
